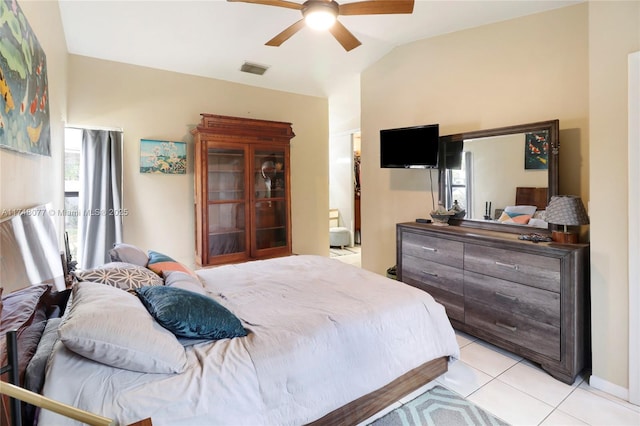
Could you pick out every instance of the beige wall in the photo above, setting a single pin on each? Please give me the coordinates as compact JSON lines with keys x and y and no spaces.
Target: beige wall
{"x":569,"y":64}
{"x":523,"y":70}
{"x":28,"y":180}
{"x":614,"y":32}
{"x":163,"y":105}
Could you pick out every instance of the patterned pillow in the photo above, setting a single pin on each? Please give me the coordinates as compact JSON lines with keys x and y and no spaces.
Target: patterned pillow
{"x":159,"y":263}
{"x":125,"y":276}
{"x":517,"y":218}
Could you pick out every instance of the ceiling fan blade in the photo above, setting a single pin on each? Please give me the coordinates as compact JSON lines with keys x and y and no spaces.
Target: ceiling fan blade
{"x":377,"y":7}
{"x":286,"y":34}
{"x":344,"y":36}
{"x":278,"y":3}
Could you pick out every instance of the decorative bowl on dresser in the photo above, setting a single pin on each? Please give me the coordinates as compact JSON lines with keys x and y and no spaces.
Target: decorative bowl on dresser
{"x":529,"y":298}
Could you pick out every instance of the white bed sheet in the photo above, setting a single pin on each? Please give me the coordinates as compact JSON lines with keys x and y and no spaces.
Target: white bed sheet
{"x":322,"y":333}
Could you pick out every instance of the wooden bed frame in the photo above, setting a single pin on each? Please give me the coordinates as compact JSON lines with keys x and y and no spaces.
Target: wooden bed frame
{"x":368,"y":405}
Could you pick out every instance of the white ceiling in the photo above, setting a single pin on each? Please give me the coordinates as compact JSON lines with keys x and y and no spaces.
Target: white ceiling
{"x":212,"y":38}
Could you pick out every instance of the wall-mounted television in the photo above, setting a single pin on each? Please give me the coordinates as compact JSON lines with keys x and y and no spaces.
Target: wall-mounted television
{"x":410,"y":147}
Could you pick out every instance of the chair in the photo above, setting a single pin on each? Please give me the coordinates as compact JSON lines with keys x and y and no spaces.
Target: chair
{"x":339,"y":236}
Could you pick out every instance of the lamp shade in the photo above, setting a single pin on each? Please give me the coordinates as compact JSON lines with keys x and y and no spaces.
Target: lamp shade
{"x":566,"y":210}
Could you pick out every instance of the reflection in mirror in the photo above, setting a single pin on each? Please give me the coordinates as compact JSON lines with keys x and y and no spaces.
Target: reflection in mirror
{"x":505,"y":156}
{"x":488,"y":170}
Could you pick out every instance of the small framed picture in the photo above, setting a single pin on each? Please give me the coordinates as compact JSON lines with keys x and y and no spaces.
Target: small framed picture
{"x":163,"y":157}
{"x":536,"y":150}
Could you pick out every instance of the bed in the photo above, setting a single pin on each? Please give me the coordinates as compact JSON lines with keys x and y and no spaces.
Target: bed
{"x":325,"y":343}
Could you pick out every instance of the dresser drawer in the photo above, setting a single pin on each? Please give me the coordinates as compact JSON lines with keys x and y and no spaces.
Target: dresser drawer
{"x":535,"y":270}
{"x":525,"y":332}
{"x":415,"y":270}
{"x":453,"y":303}
{"x":518,"y":299}
{"x":435,"y":249}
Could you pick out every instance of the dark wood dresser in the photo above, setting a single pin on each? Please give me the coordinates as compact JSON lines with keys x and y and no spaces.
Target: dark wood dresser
{"x":528,"y":298}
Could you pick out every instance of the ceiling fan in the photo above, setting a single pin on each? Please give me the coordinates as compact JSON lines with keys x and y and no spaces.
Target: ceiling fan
{"x":322,"y":14}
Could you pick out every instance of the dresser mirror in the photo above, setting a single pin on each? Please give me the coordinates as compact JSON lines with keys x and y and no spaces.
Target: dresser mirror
{"x":484,"y":169}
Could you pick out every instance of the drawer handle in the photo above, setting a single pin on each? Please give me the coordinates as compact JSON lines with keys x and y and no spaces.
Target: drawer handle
{"x":433,"y":274}
{"x":507,"y":265}
{"x":429,"y":249}
{"x":506,"y":296}
{"x":505,"y":326}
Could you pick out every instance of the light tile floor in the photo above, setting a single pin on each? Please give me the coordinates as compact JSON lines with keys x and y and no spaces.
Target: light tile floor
{"x":520,"y":393}
{"x":352,"y":259}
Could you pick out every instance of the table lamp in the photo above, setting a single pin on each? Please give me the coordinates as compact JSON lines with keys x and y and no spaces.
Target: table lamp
{"x":566,"y":210}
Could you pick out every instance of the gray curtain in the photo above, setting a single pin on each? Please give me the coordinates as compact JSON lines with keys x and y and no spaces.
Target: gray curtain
{"x":100,"y":198}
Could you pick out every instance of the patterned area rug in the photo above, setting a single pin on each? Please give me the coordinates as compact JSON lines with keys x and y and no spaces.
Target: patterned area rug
{"x":440,"y":407}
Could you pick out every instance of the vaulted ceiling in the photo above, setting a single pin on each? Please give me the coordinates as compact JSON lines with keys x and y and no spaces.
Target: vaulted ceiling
{"x":213,"y":38}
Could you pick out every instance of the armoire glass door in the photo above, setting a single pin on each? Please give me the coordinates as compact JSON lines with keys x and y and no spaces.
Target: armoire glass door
{"x":226,"y":201}
{"x":270,"y":201}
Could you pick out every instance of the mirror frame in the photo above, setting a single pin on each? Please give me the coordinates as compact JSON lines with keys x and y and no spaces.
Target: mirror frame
{"x":553,"y":127}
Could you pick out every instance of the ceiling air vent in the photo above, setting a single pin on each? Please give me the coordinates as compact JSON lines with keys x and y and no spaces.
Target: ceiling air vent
{"x":253,"y":68}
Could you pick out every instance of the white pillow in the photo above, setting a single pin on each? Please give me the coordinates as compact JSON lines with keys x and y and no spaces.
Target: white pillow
{"x":128,"y":253}
{"x":530,"y":210}
{"x":184,"y":281}
{"x":538,"y":223}
{"x":113,"y":327}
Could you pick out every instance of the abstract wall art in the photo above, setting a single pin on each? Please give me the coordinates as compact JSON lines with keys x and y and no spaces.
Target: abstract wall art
{"x":24,"y":92}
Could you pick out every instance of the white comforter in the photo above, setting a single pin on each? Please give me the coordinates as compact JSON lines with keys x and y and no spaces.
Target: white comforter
{"x":323,"y":333}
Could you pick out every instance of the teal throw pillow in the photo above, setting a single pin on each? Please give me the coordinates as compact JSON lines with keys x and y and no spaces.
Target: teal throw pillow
{"x":188,"y":314}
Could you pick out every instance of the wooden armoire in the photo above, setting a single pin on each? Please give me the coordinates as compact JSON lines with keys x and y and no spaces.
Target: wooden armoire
{"x":242,"y":189}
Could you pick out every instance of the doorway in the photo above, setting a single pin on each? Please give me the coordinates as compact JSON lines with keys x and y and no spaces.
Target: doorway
{"x":345,"y":191}
{"x":356,"y":145}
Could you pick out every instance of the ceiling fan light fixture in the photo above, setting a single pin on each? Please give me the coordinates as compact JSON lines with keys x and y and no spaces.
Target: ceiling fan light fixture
{"x":320,"y":20}
{"x":320,"y":16}
{"x":323,"y":14}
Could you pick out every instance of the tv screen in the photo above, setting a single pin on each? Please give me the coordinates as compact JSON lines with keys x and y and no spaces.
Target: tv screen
{"x":409,"y":147}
